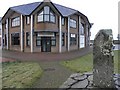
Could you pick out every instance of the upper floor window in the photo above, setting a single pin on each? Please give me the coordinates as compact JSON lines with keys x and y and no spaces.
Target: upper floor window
{"x":63,"y":21}
{"x":46,"y":15}
{"x":73,"y":23}
{"x":82,"y":29}
{"x":15,"y":21}
{"x":27,"y":20}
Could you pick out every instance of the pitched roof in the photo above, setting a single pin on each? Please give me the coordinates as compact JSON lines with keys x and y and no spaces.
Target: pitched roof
{"x":65,"y":11}
{"x":27,"y":9}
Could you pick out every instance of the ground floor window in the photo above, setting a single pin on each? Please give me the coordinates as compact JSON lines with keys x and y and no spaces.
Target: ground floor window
{"x":82,"y":41}
{"x":27,"y":39}
{"x":73,"y":39}
{"x":63,"y":39}
{"x":53,"y":40}
{"x":15,"y":39}
{"x":38,"y":40}
{"x":5,"y":40}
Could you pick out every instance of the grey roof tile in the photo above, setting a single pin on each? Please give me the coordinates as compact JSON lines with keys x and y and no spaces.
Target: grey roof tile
{"x":26,"y":9}
{"x":65,"y":11}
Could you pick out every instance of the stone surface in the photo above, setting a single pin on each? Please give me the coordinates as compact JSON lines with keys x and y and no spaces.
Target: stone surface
{"x":103,"y":65}
{"x":86,"y":83}
{"x":80,"y":77}
{"x":69,"y":82}
{"x":75,"y":75}
{"x":81,"y":84}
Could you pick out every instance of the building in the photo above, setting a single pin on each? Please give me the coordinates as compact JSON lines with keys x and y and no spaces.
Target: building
{"x":45,"y":27}
{"x":0,"y":33}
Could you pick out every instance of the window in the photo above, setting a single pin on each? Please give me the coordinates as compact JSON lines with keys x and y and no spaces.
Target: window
{"x":38,"y":40}
{"x":73,"y":23}
{"x":82,"y":41}
{"x":63,"y":21}
{"x":40,"y":16}
{"x":63,"y":39}
{"x":53,"y":40}
{"x":46,"y":15}
{"x":73,"y":39}
{"x":16,"y":21}
{"x":5,"y":42}
{"x":82,"y":29}
{"x":27,"y":20}
{"x":52,"y":17}
{"x":15,"y":39}
{"x":27,"y":39}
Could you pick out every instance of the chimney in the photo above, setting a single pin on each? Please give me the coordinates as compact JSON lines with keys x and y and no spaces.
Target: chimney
{"x":46,"y":1}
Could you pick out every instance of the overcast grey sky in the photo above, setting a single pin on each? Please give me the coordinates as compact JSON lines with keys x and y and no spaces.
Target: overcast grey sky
{"x":103,"y":13}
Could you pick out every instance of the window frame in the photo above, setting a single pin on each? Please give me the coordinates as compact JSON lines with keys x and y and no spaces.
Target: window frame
{"x":13,"y":38}
{"x":63,"y":39}
{"x":14,"y":22}
{"x":53,"y":39}
{"x":27,"y":20}
{"x":27,"y":39}
{"x":48,"y":14}
{"x":73,"y":40}
{"x":72,"y":23}
{"x":38,"y":38}
{"x":63,"y":21}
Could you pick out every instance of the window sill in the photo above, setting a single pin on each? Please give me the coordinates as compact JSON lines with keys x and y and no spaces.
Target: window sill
{"x":47,"y":22}
{"x":15,"y":26}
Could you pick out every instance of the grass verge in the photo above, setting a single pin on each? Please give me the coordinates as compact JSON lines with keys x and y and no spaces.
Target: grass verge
{"x":20,"y":74}
{"x":85,"y":63}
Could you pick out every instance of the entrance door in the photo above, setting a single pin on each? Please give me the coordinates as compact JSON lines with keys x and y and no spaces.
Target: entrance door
{"x":46,"y":44}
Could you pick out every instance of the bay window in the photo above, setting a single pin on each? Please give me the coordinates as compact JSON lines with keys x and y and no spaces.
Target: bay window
{"x":46,"y":15}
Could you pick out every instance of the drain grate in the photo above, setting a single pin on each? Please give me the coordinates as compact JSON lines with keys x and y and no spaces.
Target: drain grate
{"x":49,"y":69}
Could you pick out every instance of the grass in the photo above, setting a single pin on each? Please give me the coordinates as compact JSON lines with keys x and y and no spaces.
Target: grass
{"x":20,"y":74}
{"x":85,"y":63}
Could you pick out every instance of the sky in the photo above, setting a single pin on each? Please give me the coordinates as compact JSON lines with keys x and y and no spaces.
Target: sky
{"x":103,"y":13}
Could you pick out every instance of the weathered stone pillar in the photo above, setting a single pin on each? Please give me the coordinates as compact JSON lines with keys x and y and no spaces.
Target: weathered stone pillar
{"x":103,"y":64}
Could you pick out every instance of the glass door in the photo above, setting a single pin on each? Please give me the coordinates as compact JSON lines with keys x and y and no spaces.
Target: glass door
{"x":46,"y":44}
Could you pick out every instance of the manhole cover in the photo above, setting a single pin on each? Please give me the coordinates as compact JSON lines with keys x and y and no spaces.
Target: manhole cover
{"x":49,"y":69}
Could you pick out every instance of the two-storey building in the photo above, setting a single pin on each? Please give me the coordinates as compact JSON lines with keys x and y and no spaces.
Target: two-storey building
{"x":45,"y":27}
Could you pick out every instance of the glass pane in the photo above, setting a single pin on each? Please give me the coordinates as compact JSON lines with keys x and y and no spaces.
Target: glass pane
{"x":52,"y":18}
{"x":53,"y":42}
{"x":38,"y":43}
{"x":46,"y":17}
{"x":40,"y":18}
{"x":46,"y":10}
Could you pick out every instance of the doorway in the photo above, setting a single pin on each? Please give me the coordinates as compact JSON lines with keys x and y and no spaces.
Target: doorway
{"x":46,"y":44}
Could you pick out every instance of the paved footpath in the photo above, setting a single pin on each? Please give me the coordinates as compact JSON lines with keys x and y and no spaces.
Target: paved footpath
{"x":54,"y":74}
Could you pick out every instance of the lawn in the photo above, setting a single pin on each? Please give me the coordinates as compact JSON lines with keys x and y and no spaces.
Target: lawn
{"x":20,"y":74}
{"x":85,"y":63}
